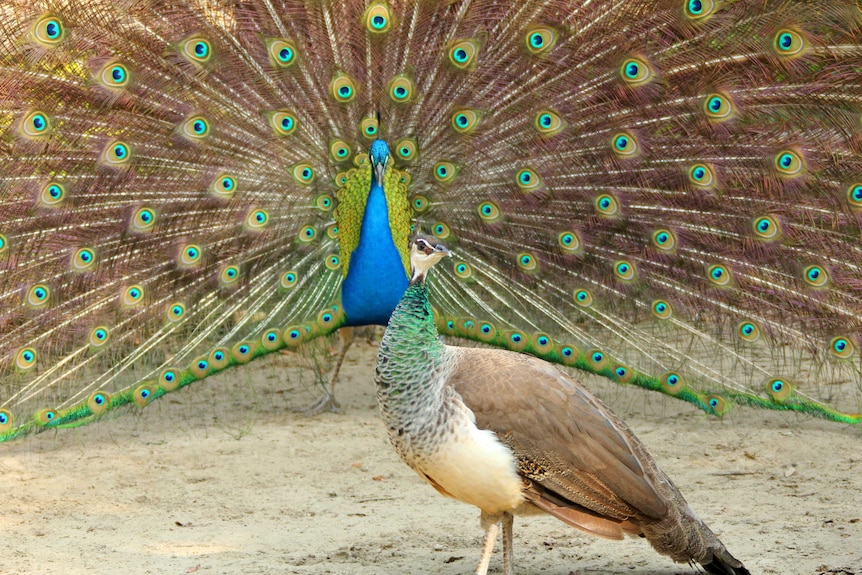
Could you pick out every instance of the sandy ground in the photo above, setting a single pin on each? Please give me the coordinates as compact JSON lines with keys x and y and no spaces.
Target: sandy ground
{"x":224,"y":477}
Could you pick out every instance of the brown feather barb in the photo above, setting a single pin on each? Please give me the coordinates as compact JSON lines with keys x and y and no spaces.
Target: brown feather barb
{"x":665,"y":193}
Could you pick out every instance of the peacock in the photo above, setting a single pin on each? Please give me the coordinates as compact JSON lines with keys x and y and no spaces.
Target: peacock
{"x":667,"y":193}
{"x":510,"y":434}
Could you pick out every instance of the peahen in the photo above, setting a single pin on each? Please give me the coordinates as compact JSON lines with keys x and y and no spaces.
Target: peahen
{"x":667,"y":193}
{"x":511,"y":434}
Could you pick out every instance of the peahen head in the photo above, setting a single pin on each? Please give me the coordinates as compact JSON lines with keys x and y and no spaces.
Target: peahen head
{"x":379,"y":155}
{"x":423,"y":255}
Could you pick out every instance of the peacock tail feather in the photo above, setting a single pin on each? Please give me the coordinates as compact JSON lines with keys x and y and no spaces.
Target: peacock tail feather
{"x":666,"y":193}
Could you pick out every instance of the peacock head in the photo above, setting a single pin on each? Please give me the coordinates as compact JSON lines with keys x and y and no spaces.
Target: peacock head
{"x":379,"y":155}
{"x":424,"y":253}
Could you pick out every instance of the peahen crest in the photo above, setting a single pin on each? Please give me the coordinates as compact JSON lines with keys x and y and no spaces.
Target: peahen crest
{"x":665,"y":193}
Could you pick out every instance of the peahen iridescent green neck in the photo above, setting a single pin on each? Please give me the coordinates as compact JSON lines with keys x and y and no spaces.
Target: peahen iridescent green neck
{"x":380,"y":249}
{"x":410,"y":347}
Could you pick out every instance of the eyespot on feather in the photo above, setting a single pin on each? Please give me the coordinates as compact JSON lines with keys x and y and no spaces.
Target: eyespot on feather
{"x":540,"y":40}
{"x":778,"y":389}
{"x":548,"y":123}
{"x":6,"y":420}
{"x":342,"y":88}
{"x":672,"y":383}
{"x":169,"y":379}
{"x":143,"y":220}
{"x":515,"y":340}
{"x":636,"y":71}
{"x":282,"y":52}
{"x":842,"y":347}
{"x":465,"y":121}
{"x":748,"y":331}
{"x":583,"y":297}
{"x":378,"y":18}
{"x":568,"y":354}
{"x":196,"y":49}
{"x":98,"y":402}
{"x":48,"y":31}
{"x":36,"y":125}
{"x":46,"y":417}
{"x":199,"y":367}
{"x":401,"y":89}
{"x":224,"y":186}
{"x":229,"y":275}
{"x":219,"y":358}
{"x":143,"y":395}
{"x":242,"y":352}
{"x":664,"y":240}
{"x":607,"y":205}
{"x":463,"y":54}
{"x":83,"y":259}
{"x":569,"y":241}
{"x":52,"y":195}
{"x":99,"y":336}
{"x":661,"y":309}
{"x":26,"y":358}
{"x":131,"y":296}
{"x":114,"y":76}
{"x":789,"y":164}
{"x":38,"y":296}
{"x":625,"y":145}
{"x":719,"y":275}
{"x":117,"y":154}
{"x":340,"y":151}
{"x":699,"y":10}
{"x":702,"y":175}
{"x":597,"y":359}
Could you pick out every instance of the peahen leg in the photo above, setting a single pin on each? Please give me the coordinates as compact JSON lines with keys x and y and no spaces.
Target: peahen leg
{"x":508,"y":551}
{"x":327,"y":401}
{"x":491,"y":524}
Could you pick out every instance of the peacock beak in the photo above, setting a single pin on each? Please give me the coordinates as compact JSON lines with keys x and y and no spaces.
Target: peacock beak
{"x":379,"y":169}
{"x":443,"y":250}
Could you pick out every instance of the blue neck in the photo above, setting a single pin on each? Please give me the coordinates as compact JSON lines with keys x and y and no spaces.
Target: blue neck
{"x":375,"y":280}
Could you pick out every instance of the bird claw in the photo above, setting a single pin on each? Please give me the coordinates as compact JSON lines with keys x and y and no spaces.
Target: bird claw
{"x":325,"y":403}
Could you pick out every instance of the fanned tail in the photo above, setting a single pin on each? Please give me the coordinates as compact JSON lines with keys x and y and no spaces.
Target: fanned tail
{"x":666,"y":193}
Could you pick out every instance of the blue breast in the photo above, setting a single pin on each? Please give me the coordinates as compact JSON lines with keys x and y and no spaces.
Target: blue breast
{"x":376,"y":279}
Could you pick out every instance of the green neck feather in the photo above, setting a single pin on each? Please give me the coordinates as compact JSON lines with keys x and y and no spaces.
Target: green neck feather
{"x":412,"y":332}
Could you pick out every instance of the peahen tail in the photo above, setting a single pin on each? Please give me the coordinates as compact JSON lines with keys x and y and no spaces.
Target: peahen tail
{"x":673,"y":189}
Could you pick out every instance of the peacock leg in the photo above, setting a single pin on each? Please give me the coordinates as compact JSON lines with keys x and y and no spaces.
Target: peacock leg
{"x":327,"y":401}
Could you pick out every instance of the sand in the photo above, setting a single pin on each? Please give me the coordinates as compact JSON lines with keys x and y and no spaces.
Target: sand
{"x":225,"y":477}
